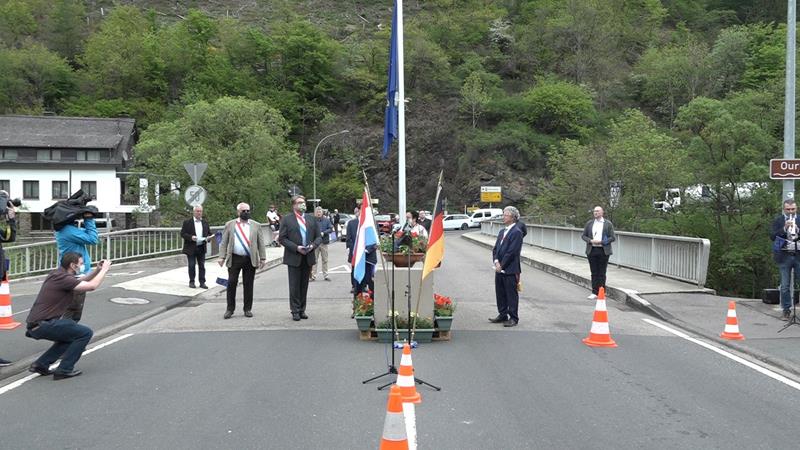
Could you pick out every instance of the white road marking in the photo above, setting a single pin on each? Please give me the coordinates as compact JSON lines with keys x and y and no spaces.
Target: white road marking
{"x":24,"y":380}
{"x":20,"y":312}
{"x":756,"y":367}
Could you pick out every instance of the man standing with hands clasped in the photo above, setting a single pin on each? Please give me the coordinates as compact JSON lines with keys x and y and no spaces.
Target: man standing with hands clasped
{"x":299,"y":236}
{"x":598,"y":235}
{"x":242,"y":250}
{"x":196,"y":234}
{"x":506,"y":254}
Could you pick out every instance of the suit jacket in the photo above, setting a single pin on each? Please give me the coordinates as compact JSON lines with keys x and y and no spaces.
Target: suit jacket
{"x":190,"y":247}
{"x":258,"y":248}
{"x":608,"y":236}
{"x":352,"y":230}
{"x":778,"y":232}
{"x":291,"y":238}
{"x":508,"y":250}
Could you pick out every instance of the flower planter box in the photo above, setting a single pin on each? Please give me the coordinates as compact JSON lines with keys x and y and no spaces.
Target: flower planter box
{"x":364,"y":322}
{"x":402,"y":260}
{"x":422,"y":336}
{"x":443,"y":323}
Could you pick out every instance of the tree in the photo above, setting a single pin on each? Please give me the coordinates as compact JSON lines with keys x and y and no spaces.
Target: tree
{"x":474,"y":97}
{"x":17,"y":22}
{"x":560,"y":107}
{"x":66,"y":28}
{"x":245,"y":145}
{"x":33,"y":79}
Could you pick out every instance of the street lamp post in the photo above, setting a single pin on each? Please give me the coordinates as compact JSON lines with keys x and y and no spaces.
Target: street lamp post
{"x":314,"y":163}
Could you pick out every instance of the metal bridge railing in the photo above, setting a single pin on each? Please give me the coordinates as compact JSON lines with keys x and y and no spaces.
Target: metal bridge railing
{"x":118,"y":246}
{"x":677,"y":257}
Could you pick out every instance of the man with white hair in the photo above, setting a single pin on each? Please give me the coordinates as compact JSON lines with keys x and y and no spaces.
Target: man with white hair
{"x":196,"y":233}
{"x":507,"y":268}
{"x":243,"y":249}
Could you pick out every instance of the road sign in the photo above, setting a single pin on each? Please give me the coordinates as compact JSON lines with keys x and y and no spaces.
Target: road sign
{"x":195,"y":170}
{"x":784,"y":169}
{"x":195,"y":195}
{"x":491,"y":194}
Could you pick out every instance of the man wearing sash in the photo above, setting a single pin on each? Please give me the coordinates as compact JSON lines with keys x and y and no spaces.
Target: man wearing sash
{"x":299,"y":235}
{"x":242,"y":250}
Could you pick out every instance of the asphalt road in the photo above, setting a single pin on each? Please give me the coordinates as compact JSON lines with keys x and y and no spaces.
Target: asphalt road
{"x":268,"y":382}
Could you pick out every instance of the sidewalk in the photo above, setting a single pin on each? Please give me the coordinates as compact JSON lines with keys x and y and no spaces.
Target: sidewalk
{"x":687,"y":306}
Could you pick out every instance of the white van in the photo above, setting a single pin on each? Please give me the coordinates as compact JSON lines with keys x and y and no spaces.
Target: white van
{"x":480,"y":215}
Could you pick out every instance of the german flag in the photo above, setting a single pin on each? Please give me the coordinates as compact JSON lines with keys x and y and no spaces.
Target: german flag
{"x":435,"y":253}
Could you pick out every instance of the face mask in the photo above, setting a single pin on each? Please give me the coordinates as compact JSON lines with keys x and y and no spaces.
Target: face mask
{"x":301,"y":207}
{"x":245,"y":215}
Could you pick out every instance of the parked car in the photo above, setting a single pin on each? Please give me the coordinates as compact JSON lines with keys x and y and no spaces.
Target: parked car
{"x":480,"y":215}
{"x":385,"y":222}
{"x":457,"y":222}
{"x":343,"y":219}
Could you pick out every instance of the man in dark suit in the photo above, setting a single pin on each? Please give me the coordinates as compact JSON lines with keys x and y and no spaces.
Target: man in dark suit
{"x":299,"y":235}
{"x":506,"y":257}
{"x":424,"y":221}
{"x":598,"y":235}
{"x":196,"y":235}
{"x":352,"y":230}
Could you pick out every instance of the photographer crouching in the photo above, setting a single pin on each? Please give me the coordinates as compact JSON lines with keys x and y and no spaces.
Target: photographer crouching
{"x":46,"y":318}
{"x":8,"y":233}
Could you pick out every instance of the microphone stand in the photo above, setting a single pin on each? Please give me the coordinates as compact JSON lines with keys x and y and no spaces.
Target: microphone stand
{"x":392,"y":370}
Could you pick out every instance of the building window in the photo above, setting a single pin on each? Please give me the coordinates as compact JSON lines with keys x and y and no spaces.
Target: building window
{"x":8,"y":154}
{"x":88,"y":155}
{"x":30,"y":190}
{"x":5,"y":185}
{"x":60,"y":190}
{"x":89,"y":188}
{"x":48,"y":155}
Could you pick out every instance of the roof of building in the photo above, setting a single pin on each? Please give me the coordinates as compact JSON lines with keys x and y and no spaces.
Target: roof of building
{"x":56,"y":132}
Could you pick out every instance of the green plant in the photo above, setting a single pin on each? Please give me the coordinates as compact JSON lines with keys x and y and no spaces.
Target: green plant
{"x":443,"y":306}
{"x":401,"y":322}
{"x":406,"y":244}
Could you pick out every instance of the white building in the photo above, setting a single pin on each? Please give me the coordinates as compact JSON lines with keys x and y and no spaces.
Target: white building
{"x":46,"y":159}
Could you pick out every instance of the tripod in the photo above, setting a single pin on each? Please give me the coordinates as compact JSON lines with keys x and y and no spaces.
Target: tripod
{"x":793,"y":320}
{"x":392,"y":368}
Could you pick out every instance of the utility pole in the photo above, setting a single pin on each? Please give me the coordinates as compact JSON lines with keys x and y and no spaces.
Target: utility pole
{"x":789,"y":111}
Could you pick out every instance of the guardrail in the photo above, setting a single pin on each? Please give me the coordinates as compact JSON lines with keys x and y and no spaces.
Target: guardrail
{"x":117,"y":246}
{"x":677,"y":257}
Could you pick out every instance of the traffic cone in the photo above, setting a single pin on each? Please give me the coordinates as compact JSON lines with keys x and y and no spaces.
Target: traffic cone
{"x":394,"y":429}
{"x":408,"y":389}
{"x":6,"y":318}
{"x":732,"y":325}
{"x":599,"y":335}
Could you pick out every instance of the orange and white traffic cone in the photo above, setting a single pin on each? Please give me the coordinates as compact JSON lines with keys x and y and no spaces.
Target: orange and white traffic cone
{"x":408,"y":389}
{"x":6,"y":317}
{"x":732,"y":325}
{"x":600,"y":335}
{"x":394,"y":429}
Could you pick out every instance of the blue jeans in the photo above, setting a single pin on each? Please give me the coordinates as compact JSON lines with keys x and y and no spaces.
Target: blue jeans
{"x":788,"y":262}
{"x":69,"y":340}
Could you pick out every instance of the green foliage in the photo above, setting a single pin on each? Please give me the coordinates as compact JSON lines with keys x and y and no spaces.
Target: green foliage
{"x":244,"y":143}
{"x":33,"y":79}
{"x":17,"y":22}
{"x":559,"y":107}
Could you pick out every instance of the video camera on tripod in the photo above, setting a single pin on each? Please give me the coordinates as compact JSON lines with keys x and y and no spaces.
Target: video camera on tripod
{"x":5,"y":203}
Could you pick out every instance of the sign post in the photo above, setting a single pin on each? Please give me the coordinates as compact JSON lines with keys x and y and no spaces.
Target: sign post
{"x":784,"y":169}
{"x":491,"y":194}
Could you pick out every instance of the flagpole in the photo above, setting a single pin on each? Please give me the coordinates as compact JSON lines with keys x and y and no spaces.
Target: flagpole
{"x":383,"y":260}
{"x":422,"y":272}
{"x":401,"y":119}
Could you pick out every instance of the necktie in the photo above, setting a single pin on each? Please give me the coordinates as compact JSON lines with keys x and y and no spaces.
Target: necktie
{"x":301,"y":221}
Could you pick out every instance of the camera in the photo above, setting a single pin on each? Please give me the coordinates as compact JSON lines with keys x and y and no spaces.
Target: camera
{"x":5,"y":203}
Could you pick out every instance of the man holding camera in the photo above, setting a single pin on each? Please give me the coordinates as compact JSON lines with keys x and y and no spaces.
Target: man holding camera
{"x":46,"y":318}
{"x":71,"y":238}
{"x":8,"y":233}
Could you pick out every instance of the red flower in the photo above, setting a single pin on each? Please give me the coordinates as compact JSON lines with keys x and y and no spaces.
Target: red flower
{"x":414,"y":234}
{"x":398,"y":234}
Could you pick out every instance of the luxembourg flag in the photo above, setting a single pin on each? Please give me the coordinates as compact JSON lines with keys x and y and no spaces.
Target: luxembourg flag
{"x":367,"y":235}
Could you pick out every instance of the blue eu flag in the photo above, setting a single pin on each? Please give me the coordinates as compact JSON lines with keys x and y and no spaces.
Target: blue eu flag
{"x":390,"y":123}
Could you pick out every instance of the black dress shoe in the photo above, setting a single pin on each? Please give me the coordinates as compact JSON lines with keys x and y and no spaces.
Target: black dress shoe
{"x":303,"y":315}
{"x":295,"y":317}
{"x":228,"y":315}
{"x":498,"y":319}
{"x":62,"y":375}
{"x":5,"y":362}
{"x":248,"y":314}
{"x":510,"y":323}
{"x":203,"y":286}
{"x":41,"y":370}
{"x":191,"y":285}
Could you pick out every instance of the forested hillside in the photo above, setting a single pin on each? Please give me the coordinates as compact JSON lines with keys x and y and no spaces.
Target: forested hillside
{"x":553,"y":100}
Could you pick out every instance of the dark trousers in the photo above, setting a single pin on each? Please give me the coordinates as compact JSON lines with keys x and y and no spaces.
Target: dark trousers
{"x":598,"y":263}
{"x":69,"y":340}
{"x":367,"y":283}
{"x":199,"y":259}
{"x":505,"y":290}
{"x":298,"y":286}
{"x":241,"y":264}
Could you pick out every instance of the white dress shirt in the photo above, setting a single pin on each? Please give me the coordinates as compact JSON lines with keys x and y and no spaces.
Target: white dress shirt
{"x":198,"y":231}
{"x":238,"y":248}
{"x":597,"y":231}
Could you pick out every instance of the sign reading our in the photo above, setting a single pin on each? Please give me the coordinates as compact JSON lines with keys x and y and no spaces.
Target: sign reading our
{"x":491,"y":194}
{"x":784,"y":169}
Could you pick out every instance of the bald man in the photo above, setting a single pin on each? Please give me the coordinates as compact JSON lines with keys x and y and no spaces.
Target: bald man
{"x":244,"y":250}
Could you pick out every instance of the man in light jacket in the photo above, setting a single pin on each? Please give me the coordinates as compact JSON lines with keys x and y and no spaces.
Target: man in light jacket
{"x":243,"y":249}
{"x":598,"y":235}
{"x":73,"y":239}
